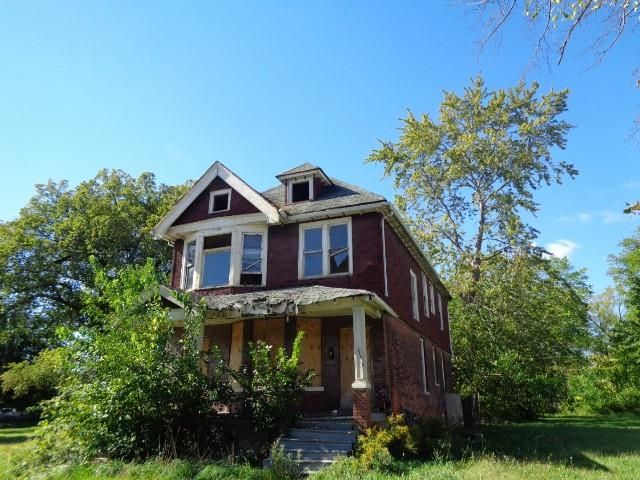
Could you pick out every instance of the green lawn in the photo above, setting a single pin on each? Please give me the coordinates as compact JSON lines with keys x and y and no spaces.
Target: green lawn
{"x":554,"y":448}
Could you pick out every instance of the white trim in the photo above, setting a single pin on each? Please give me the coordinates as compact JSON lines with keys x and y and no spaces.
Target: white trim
{"x":384,"y":258}
{"x":415,"y":309}
{"x":431,"y":299}
{"x":301,"y":179}
{"x":360,"y":362}
{"x":435,"y":366}
{"x":216,"y":193}
{"x":324,"y":225}
{"x":263,"y":255}
{"x":425,"y":296}
{"x":183,"y":273}
{"x":235,"y":182}
{"x":425,"y":380}
{"x":440,"y":311}
{"x":444,"y":378}
{"x":217,"y":223}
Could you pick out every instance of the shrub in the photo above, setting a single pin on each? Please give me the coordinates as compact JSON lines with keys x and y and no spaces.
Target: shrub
{"x":378,"y":447}
{"x":283,"y":465}
{"x":132,"y":392}
{"x":274,"y":385}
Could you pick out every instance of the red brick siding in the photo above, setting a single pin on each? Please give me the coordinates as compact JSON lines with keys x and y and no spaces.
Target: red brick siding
{"x":282,"y":264}
{"x":404,"y":364}
{"x":399,"y":262}
{"x":199,"y":209}
{"x":362,"y":408}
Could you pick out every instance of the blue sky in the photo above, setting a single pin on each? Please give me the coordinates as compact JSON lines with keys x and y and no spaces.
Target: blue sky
{"x":171,"y":87}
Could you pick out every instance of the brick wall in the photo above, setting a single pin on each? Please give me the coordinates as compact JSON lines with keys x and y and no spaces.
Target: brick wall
{"x":404,"y":364}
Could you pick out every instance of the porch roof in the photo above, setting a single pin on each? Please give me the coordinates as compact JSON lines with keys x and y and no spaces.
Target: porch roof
{"x":309,"y":300}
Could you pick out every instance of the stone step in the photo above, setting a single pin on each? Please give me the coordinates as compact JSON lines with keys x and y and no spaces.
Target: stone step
{"x":307,"y":454}
{"x":324,"y":424}
{"x":316,"y":445}
{"x":330,"y":435}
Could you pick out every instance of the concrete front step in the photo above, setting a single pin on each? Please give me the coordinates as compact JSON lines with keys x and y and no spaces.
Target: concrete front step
{"x":307,"y":454}
{"x":318,"y":445}
{"x":313,"y":424}
{"x":329,"y":435}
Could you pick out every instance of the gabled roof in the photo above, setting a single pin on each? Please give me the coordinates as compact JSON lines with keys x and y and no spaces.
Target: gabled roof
{"x":304,"y":169}
{"x":337,"y":195}
{"x":235,"y":182}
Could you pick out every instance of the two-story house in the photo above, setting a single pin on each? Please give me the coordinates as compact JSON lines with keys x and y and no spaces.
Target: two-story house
{"x":331,"y":259}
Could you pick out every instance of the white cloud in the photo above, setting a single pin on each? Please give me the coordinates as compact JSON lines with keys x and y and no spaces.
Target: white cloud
{"x":561,"y":248}
{"x":580,"y":217}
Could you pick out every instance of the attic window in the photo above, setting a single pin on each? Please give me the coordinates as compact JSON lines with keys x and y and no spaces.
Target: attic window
{"x":300,"y":191}
{"x":220,"y":201}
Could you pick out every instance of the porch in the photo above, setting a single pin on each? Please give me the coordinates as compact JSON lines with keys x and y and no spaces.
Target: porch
{"x":343,"y":343}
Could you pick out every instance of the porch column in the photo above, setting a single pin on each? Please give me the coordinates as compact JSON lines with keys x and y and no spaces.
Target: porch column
{"x":361,"y":385}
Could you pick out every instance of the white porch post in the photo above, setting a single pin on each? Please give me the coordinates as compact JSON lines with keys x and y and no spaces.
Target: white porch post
{"x":361,"y":362}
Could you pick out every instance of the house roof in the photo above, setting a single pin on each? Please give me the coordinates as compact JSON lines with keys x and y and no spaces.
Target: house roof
{"x":304,"y":169}
{"x":338,"y":195}
{"x":281,"y":301}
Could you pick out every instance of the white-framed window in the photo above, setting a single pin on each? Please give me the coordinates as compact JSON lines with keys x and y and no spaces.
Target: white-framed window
{"x":425,"y":296}
{"x":220,"y":200}
{"x":431,"y":298}
{"x":325,"y":249}
{"x":444,"y":378}
{"x":435,"y":367}
{"x":189,"y":261}
{"x":414,"y":295}
{"x":440,"y":311}
{"x":232,"y":255}
{"x":251,"y":263}
{"x":300,"y":190}
{"x":425,"y":377}
{"x":216,"y":261}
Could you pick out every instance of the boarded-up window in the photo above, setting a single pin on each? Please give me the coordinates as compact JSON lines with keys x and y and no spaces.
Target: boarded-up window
{"x":270,"y":331}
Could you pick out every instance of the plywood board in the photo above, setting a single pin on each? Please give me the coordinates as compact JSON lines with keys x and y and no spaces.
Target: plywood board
{"x":270,"y":331}
{"x":235,"y":356}
{"x":346,"y":368}
{"x":311,"y":355}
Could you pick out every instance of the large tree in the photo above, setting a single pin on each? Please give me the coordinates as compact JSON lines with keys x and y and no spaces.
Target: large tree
{"x":467,"y":177}
{"x":45,"y":251}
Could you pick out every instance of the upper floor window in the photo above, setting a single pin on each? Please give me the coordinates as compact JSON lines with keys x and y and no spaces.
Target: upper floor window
{"x":435,"y":367}
{"x":236,"y":256}
{"x":425,"y":368}
{"x":217,"y":261}
{"x":431,"y":298}
{"x":190,"y":264}
{"x":220,"y":200}
{"x":414,"y":295}
{"x":425,"y":295}
{"x":251,"y":269}
{"x":440,"y":311}
{"x":325,"y":248}
{"x":300,"y":191}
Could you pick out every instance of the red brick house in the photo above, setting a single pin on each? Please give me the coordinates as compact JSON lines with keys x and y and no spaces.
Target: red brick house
{"x":326,"y":257}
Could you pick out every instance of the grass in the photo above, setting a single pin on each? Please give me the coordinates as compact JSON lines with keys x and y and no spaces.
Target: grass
{"x":556,"y":448}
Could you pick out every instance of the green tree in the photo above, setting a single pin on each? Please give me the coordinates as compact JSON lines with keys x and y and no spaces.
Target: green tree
{"x":466,"y":180}
{"x":605,"y":312}
{"x":45,"y":251}
{"x":526,"y":330}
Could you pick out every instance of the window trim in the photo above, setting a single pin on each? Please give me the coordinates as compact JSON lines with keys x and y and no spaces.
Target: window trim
{"x":440,"y":311}
{"x":183,"y":274}
{"x":217,"y":250}
{"x":415,"y":306}
{"x":290,"y":183}
{"x":262,"y":256}
{"x":236,"y":232}
{"x":444,"y":378}
{"x":435,"y":367}
{"x":215,"y":193}
{"x":425,"y":378}
{"x":425,"y":296}
{"x":431,"y":299}
{"x":324,"y":225}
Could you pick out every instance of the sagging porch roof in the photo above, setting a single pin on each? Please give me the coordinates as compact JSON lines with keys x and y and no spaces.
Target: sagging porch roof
{"x":312,"y":300}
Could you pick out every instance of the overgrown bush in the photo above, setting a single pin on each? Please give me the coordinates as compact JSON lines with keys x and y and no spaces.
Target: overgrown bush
{"x":134,"y":391}
{"x":283,"y":465}
{"x":273,"y":384}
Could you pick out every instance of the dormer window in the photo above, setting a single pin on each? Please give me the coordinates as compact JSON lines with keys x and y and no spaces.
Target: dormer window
{"x":220,"y":201}
{"x":300,"y":191}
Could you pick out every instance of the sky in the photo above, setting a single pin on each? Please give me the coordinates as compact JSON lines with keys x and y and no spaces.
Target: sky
{"x":171,"y":87}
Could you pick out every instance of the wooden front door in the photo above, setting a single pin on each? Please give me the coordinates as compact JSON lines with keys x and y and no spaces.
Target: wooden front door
{"x":346,"y":369}
{"x":331,"y":368}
